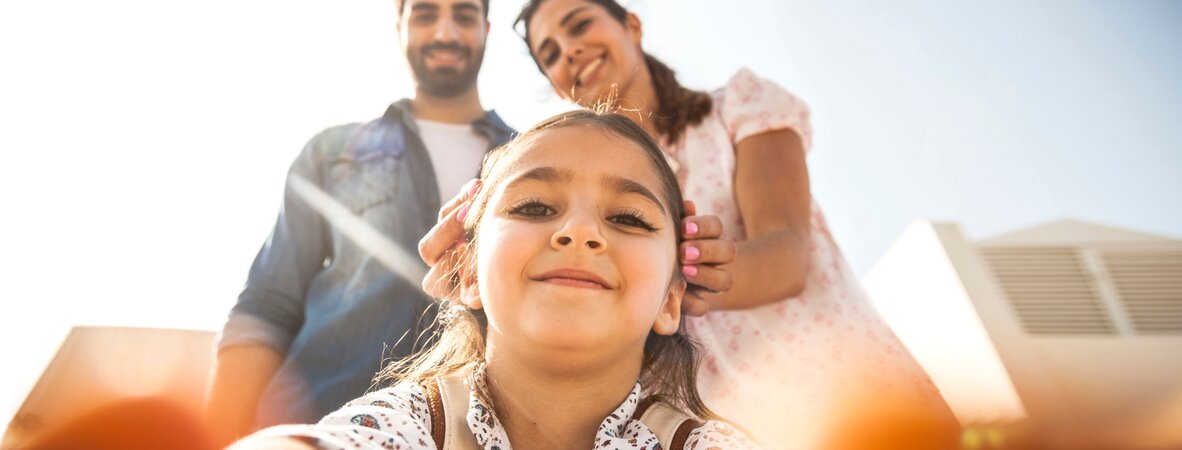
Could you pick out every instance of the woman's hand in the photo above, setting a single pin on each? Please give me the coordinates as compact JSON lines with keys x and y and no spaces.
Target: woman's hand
{"x":438,"y":247}
{"x":702,"y":253}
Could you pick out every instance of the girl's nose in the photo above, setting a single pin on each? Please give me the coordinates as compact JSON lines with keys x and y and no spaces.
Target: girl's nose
{"x":579,"y":234}
{"x":564,"y":241}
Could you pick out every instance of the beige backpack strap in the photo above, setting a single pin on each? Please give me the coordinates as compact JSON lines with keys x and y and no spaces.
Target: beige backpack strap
{"x":448,"y":403}
{"x":671,"y":425}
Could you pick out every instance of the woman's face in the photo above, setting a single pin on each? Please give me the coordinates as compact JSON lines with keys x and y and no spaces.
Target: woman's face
{"x":584,"y":51}
{"x":576,"y":249}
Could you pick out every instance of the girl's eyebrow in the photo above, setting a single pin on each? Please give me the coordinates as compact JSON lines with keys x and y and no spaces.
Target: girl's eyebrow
{"x":543,"y":174}
{"x":617,"y":184}
{"x":626,"y":186}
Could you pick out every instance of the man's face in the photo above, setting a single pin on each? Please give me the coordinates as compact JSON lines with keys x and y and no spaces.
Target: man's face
{"x":444,"y":43}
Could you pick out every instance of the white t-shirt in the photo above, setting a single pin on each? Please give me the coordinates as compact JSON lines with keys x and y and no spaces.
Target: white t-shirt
{"x":456,"y":152}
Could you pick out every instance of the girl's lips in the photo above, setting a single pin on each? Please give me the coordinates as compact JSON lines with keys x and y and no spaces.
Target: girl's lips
{"x":573,"y":278}
{"x":574,"y":283}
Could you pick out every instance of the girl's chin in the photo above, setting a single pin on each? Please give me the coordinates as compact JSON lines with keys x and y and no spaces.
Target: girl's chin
{"x":566,"y":333}
{"x":570,"y":337}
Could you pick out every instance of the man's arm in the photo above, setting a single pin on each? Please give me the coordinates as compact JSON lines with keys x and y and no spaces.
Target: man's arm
{"x":241,"y":374}
{"x":270,"y":311}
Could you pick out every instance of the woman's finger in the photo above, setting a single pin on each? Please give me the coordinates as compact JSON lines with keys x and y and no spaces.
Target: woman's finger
{"x":701,"y":227}
{"x":450,"y":228}
{"x":435,"y":284}
{"x":694,"y":305}
{"x":466,"y":193}
{"x":708,"y":251}
{"x":440,"y":280}
{"x":711,"y":279}
{"x":443,"y":236}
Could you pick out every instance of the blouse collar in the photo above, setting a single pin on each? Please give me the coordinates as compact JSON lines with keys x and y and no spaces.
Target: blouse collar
{"x":618,"y":429}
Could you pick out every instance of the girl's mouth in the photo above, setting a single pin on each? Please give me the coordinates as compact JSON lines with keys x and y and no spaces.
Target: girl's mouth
{"x":573,"y":278}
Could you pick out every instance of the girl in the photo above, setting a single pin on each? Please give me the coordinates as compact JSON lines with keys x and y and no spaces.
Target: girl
{"x":565,"y":326}
{"x":793,"y":350}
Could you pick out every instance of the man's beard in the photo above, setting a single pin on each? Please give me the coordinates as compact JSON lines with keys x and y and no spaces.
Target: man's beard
{"x":448,"y":81}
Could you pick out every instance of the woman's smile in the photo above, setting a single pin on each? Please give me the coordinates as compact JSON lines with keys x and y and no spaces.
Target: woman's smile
{"x":590,"y":71}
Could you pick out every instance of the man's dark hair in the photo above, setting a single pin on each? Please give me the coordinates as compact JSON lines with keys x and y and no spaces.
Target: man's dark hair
{"x":402,"y":6}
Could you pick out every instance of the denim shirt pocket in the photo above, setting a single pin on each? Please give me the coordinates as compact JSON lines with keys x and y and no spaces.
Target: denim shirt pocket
{"x":366,"y":172}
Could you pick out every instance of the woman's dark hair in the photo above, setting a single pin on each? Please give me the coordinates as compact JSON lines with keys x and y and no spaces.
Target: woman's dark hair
{"x":670,"y":366}
{"x":677,"y":106}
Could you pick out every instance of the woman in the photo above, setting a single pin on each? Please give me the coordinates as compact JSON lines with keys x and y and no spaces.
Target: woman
{"x":794,"y":351}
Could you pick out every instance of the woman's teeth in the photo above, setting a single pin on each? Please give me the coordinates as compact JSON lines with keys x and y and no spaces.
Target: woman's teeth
{"x":591,"y":66}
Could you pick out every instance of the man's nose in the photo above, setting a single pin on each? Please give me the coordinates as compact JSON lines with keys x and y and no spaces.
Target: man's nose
{"x":446,"y":30}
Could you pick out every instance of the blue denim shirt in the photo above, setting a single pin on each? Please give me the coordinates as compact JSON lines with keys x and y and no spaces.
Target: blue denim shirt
{"x":335,"y":308}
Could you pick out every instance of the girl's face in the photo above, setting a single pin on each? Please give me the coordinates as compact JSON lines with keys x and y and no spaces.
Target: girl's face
{"x":576,"y":248}
{"x":584,"y":51}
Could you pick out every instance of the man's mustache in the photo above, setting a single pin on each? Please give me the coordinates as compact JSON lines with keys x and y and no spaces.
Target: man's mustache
{"x":463,"y":49}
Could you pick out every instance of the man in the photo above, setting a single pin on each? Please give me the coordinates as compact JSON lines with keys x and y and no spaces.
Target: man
{"x":335,"y":288}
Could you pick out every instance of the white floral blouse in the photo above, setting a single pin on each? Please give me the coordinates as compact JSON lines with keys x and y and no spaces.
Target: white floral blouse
{"x":398,"y":418}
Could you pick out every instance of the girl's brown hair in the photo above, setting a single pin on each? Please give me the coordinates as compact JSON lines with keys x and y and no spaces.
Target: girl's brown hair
{"x":670,"y":366}
{"x":677,"y":107}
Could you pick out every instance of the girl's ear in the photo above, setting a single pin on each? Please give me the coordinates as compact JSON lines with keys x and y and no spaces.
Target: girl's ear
{"x":466,"y":272}
{"x":669,"y":317}
{"x":635,"y":31}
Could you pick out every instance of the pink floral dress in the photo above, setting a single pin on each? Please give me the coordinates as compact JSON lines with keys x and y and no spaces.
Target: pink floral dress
{"x":780,"y":369}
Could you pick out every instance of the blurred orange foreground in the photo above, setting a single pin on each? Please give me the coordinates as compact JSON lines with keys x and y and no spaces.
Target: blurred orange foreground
{"x":118,"y":388}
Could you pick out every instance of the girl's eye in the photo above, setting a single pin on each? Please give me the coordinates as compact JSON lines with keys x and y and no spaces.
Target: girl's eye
{"x":531,"y":208}
{"x":632,"y":218}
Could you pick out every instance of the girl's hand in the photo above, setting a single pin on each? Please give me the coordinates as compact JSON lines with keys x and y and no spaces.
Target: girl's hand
{"x":703,"y":251}
{"x":438,"y":247}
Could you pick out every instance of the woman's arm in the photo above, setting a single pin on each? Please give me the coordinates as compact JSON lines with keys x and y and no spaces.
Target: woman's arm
{"x":772,"y":191}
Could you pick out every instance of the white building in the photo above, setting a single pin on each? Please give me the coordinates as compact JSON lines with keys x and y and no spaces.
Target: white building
{"x":1071,"y":327}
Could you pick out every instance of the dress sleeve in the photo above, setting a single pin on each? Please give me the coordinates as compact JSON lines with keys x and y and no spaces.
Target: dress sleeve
{"x":392,"y":418}
{"x":752,"y":105}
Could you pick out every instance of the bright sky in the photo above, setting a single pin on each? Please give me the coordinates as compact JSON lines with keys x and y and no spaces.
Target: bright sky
{"x":146,"y":142}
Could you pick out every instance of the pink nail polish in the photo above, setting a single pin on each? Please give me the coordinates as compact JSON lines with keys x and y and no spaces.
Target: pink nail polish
{"x":460,"y":216}
{"x":473,"y":186}
{"x":689,"y":271}
{"x":692,"y":253}
{"x":691,"y":228}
